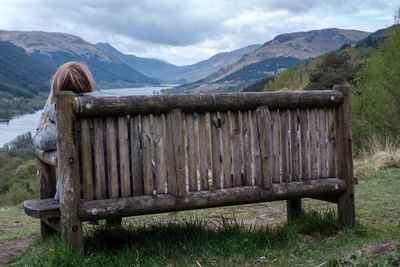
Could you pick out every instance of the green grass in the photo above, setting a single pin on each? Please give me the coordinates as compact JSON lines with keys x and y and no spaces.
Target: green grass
{"x":248,"y":235}
{"x":15,"y":224}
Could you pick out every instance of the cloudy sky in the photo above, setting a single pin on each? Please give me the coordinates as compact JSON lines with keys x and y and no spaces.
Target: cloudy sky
{"x":187,"y":31}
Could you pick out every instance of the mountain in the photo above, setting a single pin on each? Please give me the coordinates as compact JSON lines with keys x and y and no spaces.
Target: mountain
{"x":170,"y":73}
{"x":53,"y":49}
{"x":298,"y":45}
{"x":20,"y":71}
{"x":371,"y":67}
{"x":148,"y":66}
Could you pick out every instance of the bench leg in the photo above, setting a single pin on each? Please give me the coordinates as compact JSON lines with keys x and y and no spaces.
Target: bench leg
{"x":346,"y":209}
{"x":46,"y":230}
{"x":73,"y":235}
{"x":293,"y":208}
{"x":114,"y":222}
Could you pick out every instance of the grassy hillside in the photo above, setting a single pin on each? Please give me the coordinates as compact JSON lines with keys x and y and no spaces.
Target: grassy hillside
{"x":372,"y":68}
{"x":248,"y":235}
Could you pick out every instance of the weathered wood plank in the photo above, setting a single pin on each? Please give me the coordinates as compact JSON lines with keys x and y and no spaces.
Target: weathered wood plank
{"x":346,"y":208}
{"x":215,"y":151}
{"x":68,"y":170}
{"x":202,"y":151}
{"x":191,"y":151}
{"x":92,"y":105}
{"x":136,"y":156}
{"x":99,"y":160}
{"x":246,"y":154}
{"x":312,"y":127}
{"x":331,"y":147}
{"x":123,"y":140}
{"x":43,"y":208}
{"x":148,"y":184}
{"x":159,"y":153}
{"x":226,"y":149}
{"x":47,"y":188}
{"x":236,"y":150}
{"x":255,"y":151}
{"x":294,"y":145}
{"x":86,"y":158}
{"x":284,"y":123}
{"x":304,"y":145}
{"x":264,"y":133}
{"x":175,"y":153}
{"x":205,"y":199}
{"x":275,"y":140}
{"x":322,"y":144}
{"x":112,"y":165}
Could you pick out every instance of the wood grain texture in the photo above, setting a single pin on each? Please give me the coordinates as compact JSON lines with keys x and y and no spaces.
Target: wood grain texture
{"x":304,"y":145}
{"x":264,"y":133}
{"x":255,"y":151}
{"x":285,"y":152}
{"x":275,"y":148}
{"x":226,"y":149}
{"x":191,"y":151}
{"x":99,"y":160}
{"x":136,"y":156}
{"x":246,"y":155}
{"x":206,"y":199}
{"x":175,"y":154}
{"x":112,"y":160}
{"x":86,"y":158}
{"x":124,"y":169}
{"x":148,"y":184}
{"x":313,"y":130}
{"x":294,"y":145}
{"x":159,"y":153}
{"x":236,"y":149}
{"x":346,"y":207}
{"x":331,"y":146}
{"x":215,"y":151}
{"x":47,"y":188}
{"x":92,"y":105}
{"x":68,"y":171}
{"x":203,"y":170}
{"x":322,"y":144}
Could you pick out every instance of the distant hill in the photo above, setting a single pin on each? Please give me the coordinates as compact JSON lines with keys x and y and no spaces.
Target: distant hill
{"x":22,"y":71}
{"x":299,"y":45}
{"x":374,"y":66}
{"x":170,"y":73}
{"x":53,"y":49}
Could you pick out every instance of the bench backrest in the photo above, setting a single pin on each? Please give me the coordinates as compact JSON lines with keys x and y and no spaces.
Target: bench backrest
{"x":124,"y":146}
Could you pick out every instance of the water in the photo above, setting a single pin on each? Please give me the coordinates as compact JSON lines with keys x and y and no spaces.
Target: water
{"x":28,"y":122}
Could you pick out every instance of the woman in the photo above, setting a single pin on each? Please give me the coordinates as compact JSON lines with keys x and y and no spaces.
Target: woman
{"x":72,"y":76}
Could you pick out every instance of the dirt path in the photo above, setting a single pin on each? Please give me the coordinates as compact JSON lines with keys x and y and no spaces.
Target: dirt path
{"x":12,"y":248}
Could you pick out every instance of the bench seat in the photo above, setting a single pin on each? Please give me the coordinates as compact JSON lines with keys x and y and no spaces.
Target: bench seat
{"x":42,"y":208}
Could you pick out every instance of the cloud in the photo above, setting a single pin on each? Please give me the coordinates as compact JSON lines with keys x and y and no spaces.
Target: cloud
{"x":184,"y":32}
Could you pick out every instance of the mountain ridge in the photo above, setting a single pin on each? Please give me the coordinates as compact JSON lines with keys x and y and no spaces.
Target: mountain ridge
{"x":171,"y":73}
{"x":299,"y":45}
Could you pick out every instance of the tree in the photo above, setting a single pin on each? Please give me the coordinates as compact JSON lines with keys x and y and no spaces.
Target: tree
{"x":335,"y":68}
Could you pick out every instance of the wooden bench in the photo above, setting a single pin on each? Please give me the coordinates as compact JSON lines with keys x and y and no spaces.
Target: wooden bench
{"x":208,"y":150}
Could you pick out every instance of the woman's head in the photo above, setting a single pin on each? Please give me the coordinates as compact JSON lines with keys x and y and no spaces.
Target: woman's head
{"x":71,"y":76}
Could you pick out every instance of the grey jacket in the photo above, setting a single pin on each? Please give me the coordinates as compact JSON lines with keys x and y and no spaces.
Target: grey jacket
{"x":46,"y":137}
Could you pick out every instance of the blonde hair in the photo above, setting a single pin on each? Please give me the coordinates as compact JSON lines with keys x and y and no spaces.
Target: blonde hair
{"x":72,"y":76}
